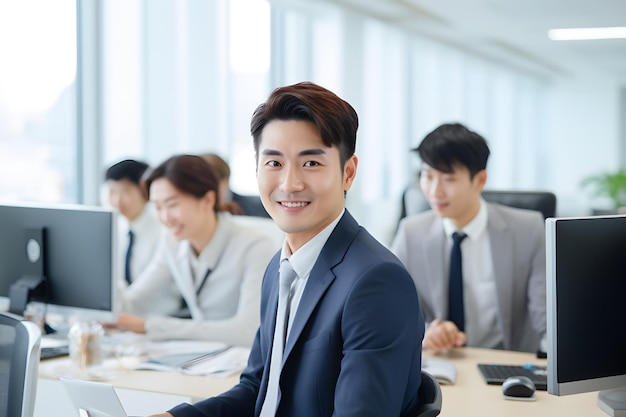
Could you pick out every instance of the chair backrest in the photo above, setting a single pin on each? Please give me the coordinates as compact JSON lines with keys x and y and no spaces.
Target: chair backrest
{"x":429,"y":396}
{"x":413,"y":201}
{"x":542,"y":201}
{"x":251,"y":205}
{"x":20,"y":343}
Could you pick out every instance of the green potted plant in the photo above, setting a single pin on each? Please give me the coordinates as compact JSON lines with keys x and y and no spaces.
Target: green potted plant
{"x":611,"y":185}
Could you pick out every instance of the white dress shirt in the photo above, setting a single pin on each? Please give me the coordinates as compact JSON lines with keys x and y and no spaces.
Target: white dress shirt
{"x":479,"y":286}
{"x":146,"y":235}
{"x":302,"y":262}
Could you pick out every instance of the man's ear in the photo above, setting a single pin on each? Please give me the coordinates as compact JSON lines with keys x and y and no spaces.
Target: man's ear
{"x":480,"y":179}
{"x":349,"y":172}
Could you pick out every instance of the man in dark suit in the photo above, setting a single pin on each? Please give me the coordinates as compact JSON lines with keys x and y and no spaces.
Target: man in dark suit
{"x":353,"y":337}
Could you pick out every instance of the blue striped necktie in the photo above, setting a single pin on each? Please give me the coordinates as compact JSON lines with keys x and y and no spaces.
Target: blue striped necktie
{"x":287,"y":276}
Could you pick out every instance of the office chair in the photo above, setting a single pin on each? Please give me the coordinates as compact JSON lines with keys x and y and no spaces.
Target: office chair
{"x":20,"y":346}
{"x":430,"y":398}
{"x":251,"y":205}
{"x":413,"y":201}
{"x":542,"y":201}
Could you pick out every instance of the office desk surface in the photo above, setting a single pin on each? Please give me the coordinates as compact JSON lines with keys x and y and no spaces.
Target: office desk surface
{"x":470,"y":396}
{"x":197,"y":387}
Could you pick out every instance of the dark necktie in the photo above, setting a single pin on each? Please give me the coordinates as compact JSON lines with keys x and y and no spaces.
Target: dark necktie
{"x":287,"y":276}
{"x":456,"y":312}
{"x":129,"y":254}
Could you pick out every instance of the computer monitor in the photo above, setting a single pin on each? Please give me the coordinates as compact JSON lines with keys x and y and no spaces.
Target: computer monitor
{"x":586,"y":293}
{"x":63,"y":255}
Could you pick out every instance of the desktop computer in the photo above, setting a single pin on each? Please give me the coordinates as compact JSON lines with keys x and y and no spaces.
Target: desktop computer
{"x":63,"y":256}
{"x":586,"y":287}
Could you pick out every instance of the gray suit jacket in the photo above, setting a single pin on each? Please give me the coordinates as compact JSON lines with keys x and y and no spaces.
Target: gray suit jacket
{"x":517,"y":239}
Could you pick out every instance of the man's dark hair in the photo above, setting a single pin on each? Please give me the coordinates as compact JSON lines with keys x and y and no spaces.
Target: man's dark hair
{"x":335,"y":119}
{"x":128,"y":169}
{"x":454,"y":144}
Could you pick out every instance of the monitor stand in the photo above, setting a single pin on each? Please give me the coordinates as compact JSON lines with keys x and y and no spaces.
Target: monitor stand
{"x":613,"y":402}
{"x":23,"y":290}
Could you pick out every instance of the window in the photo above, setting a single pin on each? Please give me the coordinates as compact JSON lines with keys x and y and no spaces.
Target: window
{"x":38,"y":153}
{"x":184,"y":77}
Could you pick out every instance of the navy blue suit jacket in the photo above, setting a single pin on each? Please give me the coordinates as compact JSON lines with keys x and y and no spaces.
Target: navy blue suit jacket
{"x":354,"y":348}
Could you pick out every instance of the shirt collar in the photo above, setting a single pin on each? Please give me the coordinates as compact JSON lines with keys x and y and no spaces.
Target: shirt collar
{"x":303,"y":259}
{"x":211,"y":253}
{"x":143,"y":220}
{"x":474,"y":228}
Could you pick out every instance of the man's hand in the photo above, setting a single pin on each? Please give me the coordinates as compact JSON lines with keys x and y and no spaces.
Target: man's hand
{"x":443,"y":335}
{"x":127,"y":321}
{"x":161,"y":415}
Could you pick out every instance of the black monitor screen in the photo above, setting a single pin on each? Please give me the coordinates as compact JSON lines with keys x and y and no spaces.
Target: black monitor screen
{"x":76,"y":257}
{"x":586,"y":303}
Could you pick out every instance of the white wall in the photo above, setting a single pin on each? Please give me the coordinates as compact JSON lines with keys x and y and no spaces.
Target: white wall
{"x":584,"y":138}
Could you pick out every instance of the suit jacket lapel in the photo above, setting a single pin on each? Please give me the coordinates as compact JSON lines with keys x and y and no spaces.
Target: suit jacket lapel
{"x":502,"y":259}
{"x":435,"y":259}
{"x":184,"y":278}
{"x":322,"y":275}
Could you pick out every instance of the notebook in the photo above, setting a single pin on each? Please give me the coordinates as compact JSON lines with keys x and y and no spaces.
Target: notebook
{"x":93,"y":399}
{"x":495,"y":374}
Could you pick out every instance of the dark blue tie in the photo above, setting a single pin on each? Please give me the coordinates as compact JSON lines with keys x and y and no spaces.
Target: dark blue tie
{"x":456,"y":312}
{"x":129,"y":254}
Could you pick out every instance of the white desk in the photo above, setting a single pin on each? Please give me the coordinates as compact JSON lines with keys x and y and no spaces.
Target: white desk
{"x":470,"y":396}
{"x":141,"y":392}
{"x":52,"y":400}
{"x":175,"y":383}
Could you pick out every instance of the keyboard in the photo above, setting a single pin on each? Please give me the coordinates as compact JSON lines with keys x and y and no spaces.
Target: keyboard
{"x":495,"y":374}
{"x":50,"y":352}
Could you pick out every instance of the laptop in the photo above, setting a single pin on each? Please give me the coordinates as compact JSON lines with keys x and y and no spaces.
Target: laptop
{"x":93,"y":399}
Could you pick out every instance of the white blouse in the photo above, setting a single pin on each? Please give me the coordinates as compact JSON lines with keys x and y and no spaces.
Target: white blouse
{"x":226,"y":308}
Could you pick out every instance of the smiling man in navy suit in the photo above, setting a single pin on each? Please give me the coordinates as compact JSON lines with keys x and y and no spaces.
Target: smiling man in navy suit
{"x":350,"y":349}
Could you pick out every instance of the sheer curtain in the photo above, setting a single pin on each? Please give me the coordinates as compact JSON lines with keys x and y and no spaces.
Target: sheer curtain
{"x":186,"y":77}
{"x":38,"y":153}
{"x":403,"y":86}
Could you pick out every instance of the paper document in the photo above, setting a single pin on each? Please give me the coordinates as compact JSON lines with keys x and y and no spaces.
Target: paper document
{"x":195,"y":357}
{"x":226,"y":363}
{"x":443,"y":371}
{"x":176,"y":347}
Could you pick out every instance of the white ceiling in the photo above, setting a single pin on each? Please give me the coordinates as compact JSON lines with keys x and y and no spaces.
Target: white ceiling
{"x":515,"y":31}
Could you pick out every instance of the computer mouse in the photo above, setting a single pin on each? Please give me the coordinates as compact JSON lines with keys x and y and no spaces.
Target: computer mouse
{"x":518,"y":387}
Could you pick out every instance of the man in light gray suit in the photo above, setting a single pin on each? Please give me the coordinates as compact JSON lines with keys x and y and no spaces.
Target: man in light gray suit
{"x":502,"y":261}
